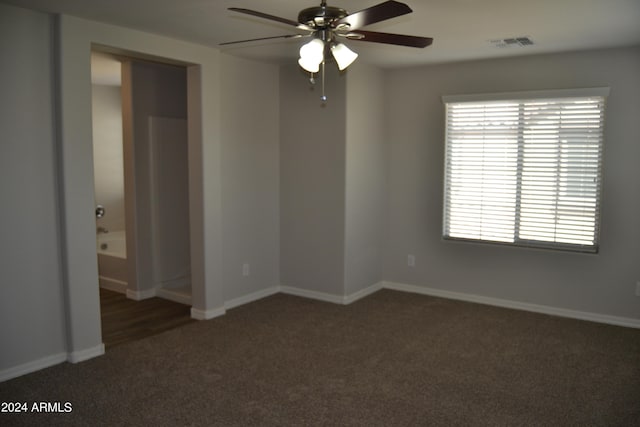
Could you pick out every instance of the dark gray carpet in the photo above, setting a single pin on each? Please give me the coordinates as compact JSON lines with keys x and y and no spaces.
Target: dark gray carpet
{"x":390,"y":359}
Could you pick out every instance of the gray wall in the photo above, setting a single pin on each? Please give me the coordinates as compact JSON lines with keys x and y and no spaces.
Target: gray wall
{"x":250,"y":175}
{"x":365,"y":184}
{"x":602,"y":283}
{"x":312,"y":176}
{"x":31,"y":304}
{"x":157,"y":90}
{"x":333,"y":176}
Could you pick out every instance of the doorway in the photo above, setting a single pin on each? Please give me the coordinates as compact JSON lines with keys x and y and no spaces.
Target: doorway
{"x":82,"y":303}
{"x":141,"y":191}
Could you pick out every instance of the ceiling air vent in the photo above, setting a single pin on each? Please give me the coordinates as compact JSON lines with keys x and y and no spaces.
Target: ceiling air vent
{"x":512,"y":42}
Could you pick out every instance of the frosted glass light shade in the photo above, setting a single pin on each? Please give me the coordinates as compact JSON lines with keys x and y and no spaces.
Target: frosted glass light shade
{"x":313,"y":51}
{"x":343,"y":55}
{"x":309,"y":65}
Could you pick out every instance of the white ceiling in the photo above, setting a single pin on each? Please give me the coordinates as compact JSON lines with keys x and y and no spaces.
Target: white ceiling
{"x":462,"y":29}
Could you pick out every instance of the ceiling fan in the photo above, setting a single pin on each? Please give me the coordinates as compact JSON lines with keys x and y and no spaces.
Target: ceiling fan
{"x":327,"y":25}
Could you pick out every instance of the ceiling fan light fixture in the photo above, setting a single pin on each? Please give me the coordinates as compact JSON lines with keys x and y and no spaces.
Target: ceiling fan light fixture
{"x":308,"y":65}
{"x":325,"y":24}
{"x":343,"y":55}
{"x":313,"y":51}
{"x":312,"y":55}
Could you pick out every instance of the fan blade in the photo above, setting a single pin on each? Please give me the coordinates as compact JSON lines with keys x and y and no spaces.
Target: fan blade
{"x":373,"y":14}
{"x":397,"y":39}
{"x":272,"y":18}
{"x":287,"y":36}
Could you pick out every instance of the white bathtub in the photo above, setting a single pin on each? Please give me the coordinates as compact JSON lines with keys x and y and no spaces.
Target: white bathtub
{"x":113,"y":243}
{"x":112,"y":261}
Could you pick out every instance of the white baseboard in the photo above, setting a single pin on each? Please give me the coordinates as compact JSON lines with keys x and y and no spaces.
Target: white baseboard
{"x":348,"y":299}
{"x":207,"y":314}
{"x":140,"y":295}
{"x":335,"y":299}
{"x":82,"y":355}
{"x":86,"y":354}
{"x":236,"y":302}
{"x":255,"y":296}
{"x":29,"y":367}
{"x":544,"y":309}
{"x":112,"y":284}
{"x":305,"y":293}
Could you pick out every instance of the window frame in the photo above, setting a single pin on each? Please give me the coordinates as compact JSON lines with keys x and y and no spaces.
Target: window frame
{"x":520,"y":98}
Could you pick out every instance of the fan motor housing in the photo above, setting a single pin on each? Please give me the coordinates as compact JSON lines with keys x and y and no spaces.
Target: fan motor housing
{"x":321,"y":16}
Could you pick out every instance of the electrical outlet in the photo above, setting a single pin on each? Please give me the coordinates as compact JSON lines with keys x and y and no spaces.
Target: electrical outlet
{"x":411,"y":260}
{"x":638,"y":289}
{"x":245,"y":269}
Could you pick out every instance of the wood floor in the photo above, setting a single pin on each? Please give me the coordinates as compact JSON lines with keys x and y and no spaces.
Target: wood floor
{"x":125,"y":320}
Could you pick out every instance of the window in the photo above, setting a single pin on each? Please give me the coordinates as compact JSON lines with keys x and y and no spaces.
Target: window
{"x":525,"y":168}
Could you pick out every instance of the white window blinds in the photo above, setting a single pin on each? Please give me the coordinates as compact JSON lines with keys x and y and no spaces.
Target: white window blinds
{"x":525,"y":168}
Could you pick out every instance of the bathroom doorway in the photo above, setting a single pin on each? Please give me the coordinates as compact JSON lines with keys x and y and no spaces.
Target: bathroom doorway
{"x":141,"y":190}
{"x":108,"y":168}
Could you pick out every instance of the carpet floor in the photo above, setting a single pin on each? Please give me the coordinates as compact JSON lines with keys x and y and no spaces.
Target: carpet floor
{"x":391,"y":359}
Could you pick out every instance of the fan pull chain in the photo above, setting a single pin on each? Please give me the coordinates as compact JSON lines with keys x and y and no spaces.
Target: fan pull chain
{"x":323,"y":98}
